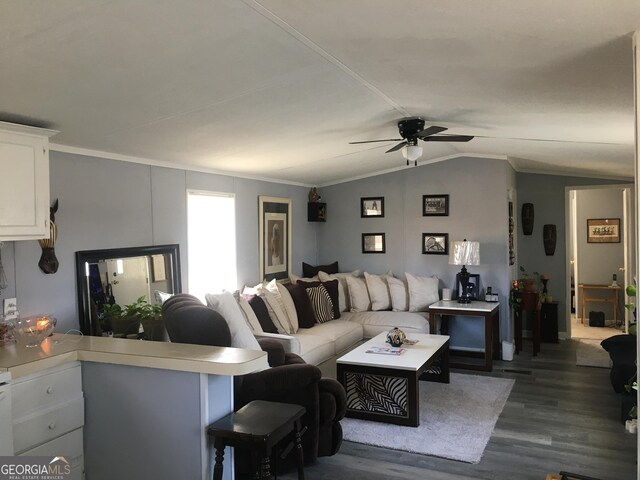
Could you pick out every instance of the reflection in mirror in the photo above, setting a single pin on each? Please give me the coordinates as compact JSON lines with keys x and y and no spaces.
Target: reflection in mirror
{"x":120,"y":290}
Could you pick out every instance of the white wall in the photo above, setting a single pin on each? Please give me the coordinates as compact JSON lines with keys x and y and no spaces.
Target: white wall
{"x":110,"y":204}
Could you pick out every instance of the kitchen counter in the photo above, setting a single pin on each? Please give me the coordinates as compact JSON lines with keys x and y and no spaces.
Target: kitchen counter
{"x":59,"y":349}
{"x":143,"y":401}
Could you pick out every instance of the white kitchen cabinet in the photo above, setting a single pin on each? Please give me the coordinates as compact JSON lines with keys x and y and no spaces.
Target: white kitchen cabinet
{"x":24,"y":182}
{"x":6,"y":427}
{"x":48,"y":414}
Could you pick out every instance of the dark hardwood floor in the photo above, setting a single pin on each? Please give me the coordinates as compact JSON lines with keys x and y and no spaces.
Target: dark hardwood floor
{"x":558,"y":417}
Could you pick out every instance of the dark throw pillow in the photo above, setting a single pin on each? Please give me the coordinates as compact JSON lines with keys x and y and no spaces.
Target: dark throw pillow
{"x":260,"y":309}
{"x":306,"y":317}
{"x":311,"y":271}
{"x":321,"y":303}
{"x":332,"y":287}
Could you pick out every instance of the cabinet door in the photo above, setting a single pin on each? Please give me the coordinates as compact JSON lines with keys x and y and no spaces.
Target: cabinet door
{"x":24,"y":186}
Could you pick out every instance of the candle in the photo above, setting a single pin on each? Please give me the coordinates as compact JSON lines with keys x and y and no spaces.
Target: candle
{"x":42,"y":324}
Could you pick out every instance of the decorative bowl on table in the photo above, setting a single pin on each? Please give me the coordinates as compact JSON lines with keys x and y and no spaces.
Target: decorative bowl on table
{"x":396,"y":337}
{"x":31,"y":331}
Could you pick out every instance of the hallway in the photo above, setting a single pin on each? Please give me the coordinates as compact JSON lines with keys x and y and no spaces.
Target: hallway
{"x":584,"y":331}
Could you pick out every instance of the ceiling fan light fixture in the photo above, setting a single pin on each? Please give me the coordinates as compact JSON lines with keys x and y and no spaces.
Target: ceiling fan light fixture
{"x":412,"y":152}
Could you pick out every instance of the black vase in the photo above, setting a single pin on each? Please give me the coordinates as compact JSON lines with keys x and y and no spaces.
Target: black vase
{"x":549,"y":235}
{"x":527,"y":218}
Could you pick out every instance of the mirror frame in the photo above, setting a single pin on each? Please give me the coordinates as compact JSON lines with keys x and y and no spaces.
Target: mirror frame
{"x":85,"y":256}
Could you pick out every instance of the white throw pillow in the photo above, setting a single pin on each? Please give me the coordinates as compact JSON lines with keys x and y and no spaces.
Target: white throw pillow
{"x":226,"y":305}
{"x":343,"y":288}
{"x":161,"y":296}
{"x":378,"y":291}
{"x":358,"y":295}
{"x":276,"y":313}
{"x":399,"y":294}
{"x":249,"y":314}
{"x":289,"y":307}
{"x":294,"y":278}
{"x":423,"y":291}
{"x":274,"y":287}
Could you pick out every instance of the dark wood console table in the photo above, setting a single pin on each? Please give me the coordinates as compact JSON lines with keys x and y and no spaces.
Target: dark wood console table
{"x":488,"y":311}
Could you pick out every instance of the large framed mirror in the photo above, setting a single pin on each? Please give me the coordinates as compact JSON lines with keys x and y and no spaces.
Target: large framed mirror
{"x":118,"y":287}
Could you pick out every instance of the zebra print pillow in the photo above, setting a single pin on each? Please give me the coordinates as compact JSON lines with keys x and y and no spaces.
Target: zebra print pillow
{"x":321,"y":303}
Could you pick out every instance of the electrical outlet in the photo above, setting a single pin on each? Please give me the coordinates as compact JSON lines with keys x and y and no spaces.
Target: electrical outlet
{"x":10,"y":305}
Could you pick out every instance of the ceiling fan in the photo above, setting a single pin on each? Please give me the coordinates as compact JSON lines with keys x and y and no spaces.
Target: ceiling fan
{"x":411,"y":129}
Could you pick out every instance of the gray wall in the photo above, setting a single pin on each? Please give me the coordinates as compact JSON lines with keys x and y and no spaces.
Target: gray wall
{"x":547,"y":193}
{"x":478,"y":210}
{"x":597,"y":262}
{"x":109,"y":204}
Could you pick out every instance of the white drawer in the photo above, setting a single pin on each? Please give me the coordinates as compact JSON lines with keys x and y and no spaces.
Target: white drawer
{"x":6,"y":427}
{"x":45,"y":425}
{"x":41,"y":392}
{"x":69,"y":446}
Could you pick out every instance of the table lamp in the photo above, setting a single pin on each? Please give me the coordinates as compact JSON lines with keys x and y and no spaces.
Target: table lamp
{"x":464,"y":253}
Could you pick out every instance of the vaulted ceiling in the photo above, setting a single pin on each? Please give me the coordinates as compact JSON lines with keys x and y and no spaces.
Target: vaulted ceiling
{"x":278,"y":88}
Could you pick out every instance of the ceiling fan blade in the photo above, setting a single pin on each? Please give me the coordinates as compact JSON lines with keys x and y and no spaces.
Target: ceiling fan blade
{"x":430,"y":131}
{"x":449,"y":138}
{"x":373,"y":141}
{"x":397,"y":147}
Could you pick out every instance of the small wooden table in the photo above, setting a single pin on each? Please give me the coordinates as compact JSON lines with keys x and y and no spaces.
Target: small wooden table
{"x":489,"y":311}
{"x":608,"y":289}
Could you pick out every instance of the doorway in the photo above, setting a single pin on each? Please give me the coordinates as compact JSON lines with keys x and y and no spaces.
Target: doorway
{"x":601,"y":260}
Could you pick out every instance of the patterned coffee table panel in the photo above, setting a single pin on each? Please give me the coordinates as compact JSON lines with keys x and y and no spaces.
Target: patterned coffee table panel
{"x":377,"y":394}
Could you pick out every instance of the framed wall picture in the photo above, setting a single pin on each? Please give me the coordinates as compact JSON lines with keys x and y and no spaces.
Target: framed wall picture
{"x":473,"y":288}
{"x":435,"y":243}
{"x":371,"y":207}
{"x":274,"y":230}
{"x":603,"y":230}
{"x":435,"y":205}
{"x":373,"y":243}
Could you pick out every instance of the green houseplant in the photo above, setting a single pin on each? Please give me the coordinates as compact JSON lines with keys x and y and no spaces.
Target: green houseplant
{"x":126,"y":321}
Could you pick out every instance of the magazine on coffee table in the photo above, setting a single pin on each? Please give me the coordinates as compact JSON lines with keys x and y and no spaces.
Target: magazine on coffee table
{"x":386,"y":350}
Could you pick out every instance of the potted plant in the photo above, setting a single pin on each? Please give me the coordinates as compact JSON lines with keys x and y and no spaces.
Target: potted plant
{"x":126,"y":321}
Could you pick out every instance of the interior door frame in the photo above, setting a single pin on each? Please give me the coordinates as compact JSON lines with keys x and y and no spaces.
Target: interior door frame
{"x":628,"y":239}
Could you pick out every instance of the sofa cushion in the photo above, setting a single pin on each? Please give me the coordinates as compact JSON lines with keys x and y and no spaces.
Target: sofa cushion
{"x":247,"y":311}
{"x":311,"y":271}
{"x":423,"y":291}
{"x":276,"y":312}
{"x":358,"y":295}
{"x":304,"y":310}
{"x":262,"y":314}
{"x":315,"y":349}
{"x":320,"y":302}
{"x":374,"y":323}
{"x":226,"y":305}
{"x":281,"y":312}
{"x":399,"y":294}
{"x":333,"y":288}
{"x":289,"y":307}
{"x":343,"y":288}
{"x":343,"y":333}
{"x":378,"y":291}
{"x":293,"y":278}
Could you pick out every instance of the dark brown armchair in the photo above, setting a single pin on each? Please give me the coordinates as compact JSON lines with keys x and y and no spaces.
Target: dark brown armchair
{"x":289,"y":380}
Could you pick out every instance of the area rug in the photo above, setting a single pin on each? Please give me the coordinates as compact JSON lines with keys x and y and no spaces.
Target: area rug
{"x":456,"y":419}
{"x":591,"y":354}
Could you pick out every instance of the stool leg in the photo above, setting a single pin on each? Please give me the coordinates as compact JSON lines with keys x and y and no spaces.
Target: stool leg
{"x":265,"y":468}
{"x":299,"y":451}
{"x":217,"y":469}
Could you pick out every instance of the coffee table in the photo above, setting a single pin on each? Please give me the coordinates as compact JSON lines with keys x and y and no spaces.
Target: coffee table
{"x":384,"y":388}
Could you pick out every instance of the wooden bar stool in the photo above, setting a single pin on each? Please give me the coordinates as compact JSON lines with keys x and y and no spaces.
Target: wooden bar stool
{"x":258,"y":426}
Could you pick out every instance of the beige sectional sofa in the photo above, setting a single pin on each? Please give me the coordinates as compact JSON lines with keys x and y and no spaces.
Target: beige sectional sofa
{"x":323,"y":342}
